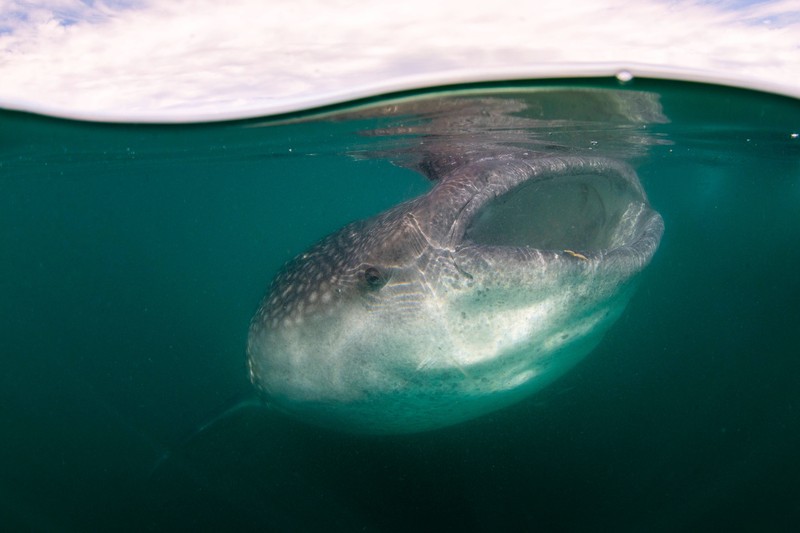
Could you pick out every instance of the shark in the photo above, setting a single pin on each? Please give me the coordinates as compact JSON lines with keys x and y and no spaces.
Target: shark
{"x":459,"y":302}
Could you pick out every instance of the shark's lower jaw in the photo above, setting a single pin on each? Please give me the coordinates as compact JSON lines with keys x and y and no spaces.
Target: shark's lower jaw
{"x":533,"y":275}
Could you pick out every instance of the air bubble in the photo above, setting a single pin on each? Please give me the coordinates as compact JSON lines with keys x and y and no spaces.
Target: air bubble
{"x":624,"y":76}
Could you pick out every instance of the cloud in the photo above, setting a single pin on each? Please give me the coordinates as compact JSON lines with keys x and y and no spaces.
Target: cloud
{"x":188,"y":59}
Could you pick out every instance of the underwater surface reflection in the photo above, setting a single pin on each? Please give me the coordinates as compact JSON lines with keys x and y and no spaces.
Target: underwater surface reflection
{"x":134,"y":257}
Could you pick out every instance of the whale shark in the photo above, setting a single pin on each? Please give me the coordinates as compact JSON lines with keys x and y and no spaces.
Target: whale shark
{"x":461,"y":301}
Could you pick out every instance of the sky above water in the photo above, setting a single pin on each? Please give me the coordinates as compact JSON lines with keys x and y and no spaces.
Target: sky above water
{"x":200,"y":59}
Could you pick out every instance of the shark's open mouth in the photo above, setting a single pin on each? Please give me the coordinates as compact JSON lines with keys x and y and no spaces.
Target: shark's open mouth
{"x":576,"y":204}
{"x":580,"y":212}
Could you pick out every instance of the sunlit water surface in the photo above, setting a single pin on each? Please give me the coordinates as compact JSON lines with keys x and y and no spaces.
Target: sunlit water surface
{"x":132,"y":258}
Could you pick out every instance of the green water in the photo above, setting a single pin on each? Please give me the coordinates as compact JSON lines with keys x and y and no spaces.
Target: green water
{"x":132,"y":258}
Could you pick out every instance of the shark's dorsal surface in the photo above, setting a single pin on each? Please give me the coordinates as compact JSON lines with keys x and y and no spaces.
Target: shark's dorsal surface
{"x":470,"y":297}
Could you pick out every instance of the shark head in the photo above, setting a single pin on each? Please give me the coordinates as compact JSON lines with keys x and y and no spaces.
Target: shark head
{"x":456,"y":303}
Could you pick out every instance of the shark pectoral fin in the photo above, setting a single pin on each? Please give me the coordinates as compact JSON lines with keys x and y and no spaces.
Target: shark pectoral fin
{"x":240,"y":402}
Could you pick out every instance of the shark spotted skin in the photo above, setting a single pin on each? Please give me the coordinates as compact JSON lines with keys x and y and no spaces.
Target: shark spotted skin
{"x":456,"y":303}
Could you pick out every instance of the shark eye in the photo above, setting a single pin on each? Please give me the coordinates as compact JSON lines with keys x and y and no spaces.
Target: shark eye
{"x":374,"y":278}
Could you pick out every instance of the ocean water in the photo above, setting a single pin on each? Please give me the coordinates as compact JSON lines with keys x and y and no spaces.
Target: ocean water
{"x":132,"y":258}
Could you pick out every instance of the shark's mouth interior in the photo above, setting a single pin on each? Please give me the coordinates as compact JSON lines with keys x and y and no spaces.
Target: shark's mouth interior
{"x":575,"y":212}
